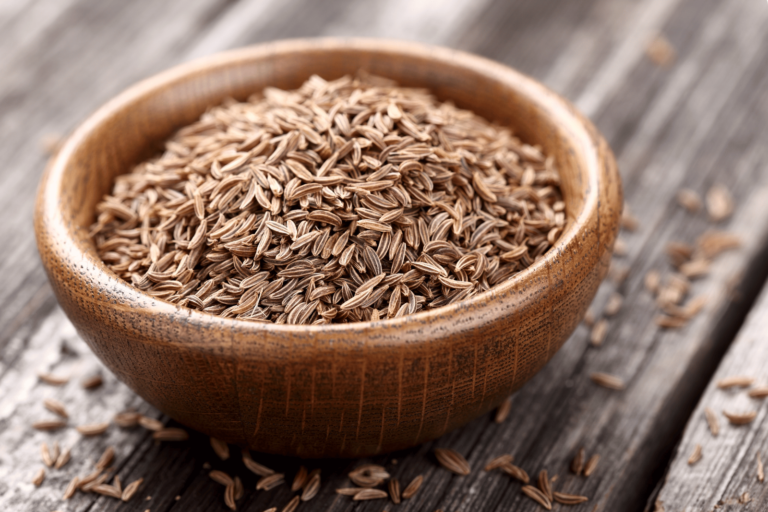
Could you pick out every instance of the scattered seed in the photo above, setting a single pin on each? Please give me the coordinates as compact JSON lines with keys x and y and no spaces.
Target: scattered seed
{"x":369,"y":494}
{"x":171,"y":434}
{"x":93,"y":429}
{"x":598,"y":333}
{"x":292,"y":505}
{"x":591,"y":465}
{"x":312,"y":488}
{"x":689,"y":199}
{"x":56,"y":407}
{"x":577,"y":465}
{"x":348,"y":491}
{"x":229,"y":497}
{"x":239,"y":489}
{"x":452,"y":461}
{"x":629,"y":221}
{"x":744,"y":498}
{"x":537,"y":496}
{"x":45,"y":454}
{"x":131,"y":489}
{"x":39,"y":477}
{"x":760,"y":470}
{"x":498,"y":462}
{"x":63,"y":458}
{"x":712,"y":243}
{"x":127,"y":419}
{"x":412,"y":487}
{"x":503,"y":411}
{"x":71,"y":488}
{"x":620,"y":247}
{"x":255,"y":467}
{"x":516,"y":472}
{"x":221,"y":477}
{"x":150,"y":423}
{"x":270,"y":481}
{"x":607,"y":381}
{"x":719,"y":203}
{"x":589,"y":317}
{"x":49,"y":425}
{"x":758,"y":392}
{"x":660,"y":51}
{"x":108,"y":490}
{"x":544,"y":485}
{"x":53,"y":380}
{"x":613,"y":305}
{"x":300,"y":479}
{"x":220,"y":448}
{"x":652,"y":281}
{"x":740,"y":419}
{"x":92,"y":382}
{"x":106,"y":458}
{"x":695,"y":455}
{"x":569,"y":499}
{"x":394,"y":490}
{"x":736,"y":381}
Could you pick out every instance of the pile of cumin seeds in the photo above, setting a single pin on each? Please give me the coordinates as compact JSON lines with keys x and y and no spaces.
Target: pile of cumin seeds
{"x":341,"y":201}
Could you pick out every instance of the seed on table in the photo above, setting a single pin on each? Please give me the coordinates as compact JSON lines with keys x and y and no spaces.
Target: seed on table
{"x":63,"y":458}
{"x":598,"y":333}
{"x":39,"y":477}
{"x":577,"y":465}
{"x":92,"y":382}
{"x":758,"y":392}
{"x":254,"y":466}
{"x":544,"y":485}
{"x":45,"y":454}
{"x":695,"y":455}
{"x":150,"y":423}
{"x":740,"y":419}
{"x":498,"y":462}
{"x":591,"y":465}
{"x":348,"y":491}
{"x":689,"y":199}
{"x":452,"y":461}
{"x":49,"y":425}
{"x":229,"y":497}
{"x":537,"y":496}
{"x":108,"y":490}
{"x":220,"y":448}
{"x":239,"y":489}
{"x":516,"y":472}
{"x":607,"y":381}
{"x":292,"y":505}
{"x":569,"y":499}
{"x":652,"y":281}
{"x":300,"y":479}
{"x":370,"y":494}
{"x":719,"y":203}
{"x":270,"y":481}
{"x":106,"y":458}
{"x":394,"y":490}
{"x":760,"y":470}
{"x":127,"y":419}
{"x":53,"y":380}
{"x":93,"y":429}
{"x":56,"y":407}
{"x":503,"y":411}
{"x":130,"y":489}
{"x":71,"y":488}
{"x":614,"y":304}
{"x":412,"y":487}
{"x":221,"y":477}
{"x":736,"y":381}
{"x":312,"y":488}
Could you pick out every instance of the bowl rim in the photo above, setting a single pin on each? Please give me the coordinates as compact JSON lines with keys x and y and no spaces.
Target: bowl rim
{"x":49,"y":218}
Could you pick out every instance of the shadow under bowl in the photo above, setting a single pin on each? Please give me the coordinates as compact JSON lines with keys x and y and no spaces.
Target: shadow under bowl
{"x":338,"y":390}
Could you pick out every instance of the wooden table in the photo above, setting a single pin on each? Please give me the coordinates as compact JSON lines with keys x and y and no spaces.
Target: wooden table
{"x":697,"y":121}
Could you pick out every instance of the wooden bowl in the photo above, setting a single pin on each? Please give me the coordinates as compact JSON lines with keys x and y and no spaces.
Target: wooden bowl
{"x":336,"y":390}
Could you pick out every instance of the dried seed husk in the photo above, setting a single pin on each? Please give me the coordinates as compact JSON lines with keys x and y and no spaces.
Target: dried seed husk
{"x":300,"y":479}
{"x":37,"y":480}
{"x":569,"y":499}
{"x":49,"y":425}
{"x":607,"y":381}
{"x":106,"y":458}
{"x":89,"y":478}
{"x":128,"y":419}
{"x":131,"y":489}
{"x":229,"y":497}
{"x":220,"y":448}
{"x":108,"y":490}
{"x":312,"y":488}
{"x":53,"y":380}
{"x":412,"y":488}
{"x":56,"y":407}
{"x":92,"y":382}
{"x":239,"y":489}
{"x":758,"y":392}
{"x":719,"y":203}
{"x":292,"y":505}
{"x":689,"y":199}
{"x":735,"y":381}
{"x":369,"y":494}
{"x":394,"y":490}
{"x":591,"y":465}
{"x":150,"y":423}
{"x":740,"y":419}
{"x":93,"y":429}
{"x":255,"y":467}
{"x":544,"y":485}
{"x":45,"y":454}
{"x":88,"y":487}
{"x":503,"y":411}
{"x":537,"y":496}
{"x":71,"y":488}
{"x":498,"y":462}
{"x":171,"y":434}
{"x":348,"y":491}
{"x":270,"y":481}
{"x":221,"y":477}
{"x":760,"y":470}
{"x":516,"y":472}
{"x":613,"y":305}
{"x":695,"y":455}
{"x":577,"y":464}
{"x":452,"y":461}
{"x":63,"y":458}
{"x":599,"y":330}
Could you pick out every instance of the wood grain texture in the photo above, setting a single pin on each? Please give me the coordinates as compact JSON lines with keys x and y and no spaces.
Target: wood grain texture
{"x":728,"y":467}
{"x":337,"y":390}
{"x":699,"y":121}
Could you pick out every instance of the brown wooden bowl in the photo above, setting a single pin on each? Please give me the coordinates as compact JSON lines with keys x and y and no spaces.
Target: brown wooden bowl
{"x":336,"y":390}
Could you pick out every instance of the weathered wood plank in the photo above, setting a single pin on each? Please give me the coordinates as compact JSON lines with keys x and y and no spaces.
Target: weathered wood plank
{"x":669,"y":126}
{"x":729,"y":464}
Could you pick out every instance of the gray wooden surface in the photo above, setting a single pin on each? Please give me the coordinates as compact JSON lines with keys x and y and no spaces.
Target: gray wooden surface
{"x":728,"y":466}
{"x":698,"y":121}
